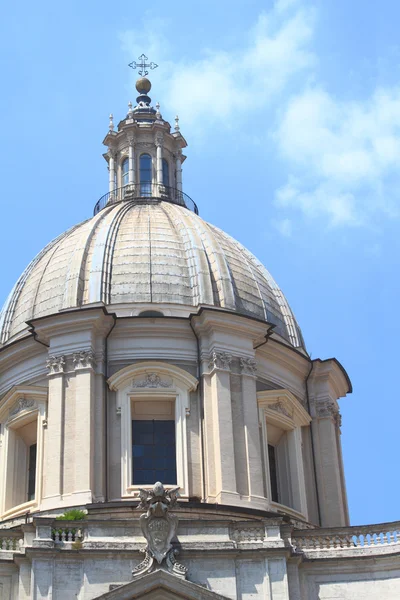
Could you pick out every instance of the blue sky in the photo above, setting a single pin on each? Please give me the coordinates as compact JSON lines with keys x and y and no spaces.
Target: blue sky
{"x":292,"y":114}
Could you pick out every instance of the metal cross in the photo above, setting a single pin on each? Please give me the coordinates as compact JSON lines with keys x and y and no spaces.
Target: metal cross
{"x":142,"y":65}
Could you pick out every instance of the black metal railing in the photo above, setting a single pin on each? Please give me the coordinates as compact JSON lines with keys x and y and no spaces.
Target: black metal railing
{"x":141,"y":192}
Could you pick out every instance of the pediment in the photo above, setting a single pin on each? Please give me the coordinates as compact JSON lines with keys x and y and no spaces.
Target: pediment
{"x":160,"y":585}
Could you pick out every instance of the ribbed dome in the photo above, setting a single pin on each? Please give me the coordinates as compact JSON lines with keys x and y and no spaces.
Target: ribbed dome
{"x":146,"y":253}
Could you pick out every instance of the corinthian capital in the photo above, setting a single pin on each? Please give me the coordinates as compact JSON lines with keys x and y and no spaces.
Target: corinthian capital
{"x":220,"y":360}
{"x":248,"y":366}
{"x":55,"y":364}
{"x":83,"y":359}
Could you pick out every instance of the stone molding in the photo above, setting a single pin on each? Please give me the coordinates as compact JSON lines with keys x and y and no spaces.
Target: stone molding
{"x":282,"y":408}
{"x":248,"y":366}
{"x":83,"y":359}
{"x":220,"y":361}
{"x":56,"y":364}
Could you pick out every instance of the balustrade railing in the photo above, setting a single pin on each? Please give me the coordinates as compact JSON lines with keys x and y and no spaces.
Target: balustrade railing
{"x":376,"y":537}
{"x":142,"y":192}
{"x":11,"y":542}
{"x":72,"y":532}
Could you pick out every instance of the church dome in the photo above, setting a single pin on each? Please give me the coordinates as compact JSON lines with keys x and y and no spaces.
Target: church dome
{"x":150,"y":255}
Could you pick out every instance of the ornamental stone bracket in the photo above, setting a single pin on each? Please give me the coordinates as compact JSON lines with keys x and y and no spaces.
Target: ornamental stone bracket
{"x":83,"y":359}
{"x":56,"y":364}
{"x":159,"y":528}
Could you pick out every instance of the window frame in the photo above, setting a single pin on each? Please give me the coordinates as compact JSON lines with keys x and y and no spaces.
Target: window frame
{"x":20,"y":406}
{"x":174,"y":384}
{"x":282,"y":409}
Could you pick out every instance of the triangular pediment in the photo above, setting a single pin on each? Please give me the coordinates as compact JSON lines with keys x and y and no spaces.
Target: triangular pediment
{"x":160,"y":585}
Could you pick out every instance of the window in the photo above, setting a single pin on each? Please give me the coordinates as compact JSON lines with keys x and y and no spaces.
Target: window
{"x":146,"y":175}
{"x":125,"y":172}
{"x":22,"y":416}
{"x":282,"y":417}
{"x":153,"y":452}
{"x":165,"y":172}
{"x":153,"y":403}
{"x":273,"y":474}
{"x":32,"y":471}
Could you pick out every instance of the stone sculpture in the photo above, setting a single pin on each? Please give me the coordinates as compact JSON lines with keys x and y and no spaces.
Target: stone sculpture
{"x":159,"y":528}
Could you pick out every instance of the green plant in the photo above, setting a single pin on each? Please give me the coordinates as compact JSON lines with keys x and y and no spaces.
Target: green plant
{"x":74,"y":514}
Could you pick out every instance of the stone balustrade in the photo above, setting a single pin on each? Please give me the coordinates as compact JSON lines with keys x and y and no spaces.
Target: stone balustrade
{"x":383,"y":538}
{"x":11,"y":542}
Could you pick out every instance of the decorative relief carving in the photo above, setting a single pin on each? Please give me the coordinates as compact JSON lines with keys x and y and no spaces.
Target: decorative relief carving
{"x":159,"y":140}
{"x":248,"y":366}
{"x":220,"y":360}
{"x":151,"y":380}
{"x":22,"y":404}
{"x":55,"y":364}
{"x":282,"y":408}
{"x":159,"y":527}
{"x":83,"y":359}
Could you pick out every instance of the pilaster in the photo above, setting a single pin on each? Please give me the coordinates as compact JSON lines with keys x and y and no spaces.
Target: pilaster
{"x":53,"y":460}
{"x":218,"y":417}
{"x":83,"y":362}
{"x":251,"y":430}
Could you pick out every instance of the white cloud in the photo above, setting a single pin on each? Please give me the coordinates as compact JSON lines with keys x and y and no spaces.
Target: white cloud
{"x":214,"y":88}
{"x":284,"y":227}
{"x":344,"y":156}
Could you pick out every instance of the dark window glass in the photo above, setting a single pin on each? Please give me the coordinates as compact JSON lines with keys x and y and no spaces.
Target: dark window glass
{"x":165,"y":172}
{"x":125,"y":172}
{"x":146,"y":175}
{"x":32,"y":472}
{"x":273,"y":473}
{"x":153,"y":452}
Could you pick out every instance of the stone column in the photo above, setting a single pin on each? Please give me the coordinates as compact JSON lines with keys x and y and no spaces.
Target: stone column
{"x":53,"y":460}
{"x":111,"y":170}
{"x":84,"y":430}
{"x":251,"y":430}
{"x":179,"y":170}
{"x":219,"y":431}
{"x":328,"y":464}
{"x":159,"y":144}
{"x":131,"y":173}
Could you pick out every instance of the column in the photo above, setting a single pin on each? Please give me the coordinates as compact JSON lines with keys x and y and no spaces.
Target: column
{"x":159,"y":144}
{"x":84,"y":430}
{"x":252,"y":435}
{"x":131,"y":174}
{"x":219,"y":431}
{"x":327,"y":462}
{"x":53,"y":480}
{"x":111,"y":170}
{"x":179,"y":170}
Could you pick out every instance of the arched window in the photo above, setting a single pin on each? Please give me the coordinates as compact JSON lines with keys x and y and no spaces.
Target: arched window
{"x":165,"y":172}
{"x":125,"y":172}
{"x":146,"y":175}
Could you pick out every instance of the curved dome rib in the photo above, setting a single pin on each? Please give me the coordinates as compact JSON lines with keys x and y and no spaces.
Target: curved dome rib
{"x":154,"y":253}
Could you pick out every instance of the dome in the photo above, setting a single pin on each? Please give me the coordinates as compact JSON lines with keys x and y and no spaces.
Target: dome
{"x":146,"y":254}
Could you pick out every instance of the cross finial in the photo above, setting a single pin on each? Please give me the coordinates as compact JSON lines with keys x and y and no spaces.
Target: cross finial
{"x":111,"y":124}
{"x":177,"y":128}
{"x":142,"y":65}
